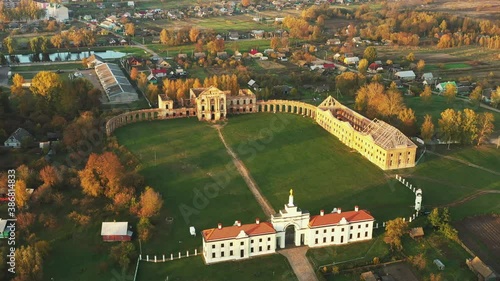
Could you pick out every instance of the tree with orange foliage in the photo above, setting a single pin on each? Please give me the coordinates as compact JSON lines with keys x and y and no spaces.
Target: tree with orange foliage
{"x":49,"y":176}
{"x":150,"y":203}
{"x":193,"y":34}
{"x":134,"y":72}
{"x":102,"y":175}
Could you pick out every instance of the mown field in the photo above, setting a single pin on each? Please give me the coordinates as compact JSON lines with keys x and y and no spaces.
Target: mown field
{"x":184,"y":160}
{"x":272,"y":268}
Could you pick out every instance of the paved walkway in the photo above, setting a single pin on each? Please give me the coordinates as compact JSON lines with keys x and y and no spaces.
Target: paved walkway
{"x":300,"y":264}
{"x":252,"y":185}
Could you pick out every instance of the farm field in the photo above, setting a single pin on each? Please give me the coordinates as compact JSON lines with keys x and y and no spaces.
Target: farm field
{"x":482,"y":235}
{"x":272,"y":268}
{"x":451,"y":63}
{"x":438,"y":104}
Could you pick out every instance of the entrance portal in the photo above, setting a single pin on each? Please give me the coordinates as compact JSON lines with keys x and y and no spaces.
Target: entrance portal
{"x":290,"y":236}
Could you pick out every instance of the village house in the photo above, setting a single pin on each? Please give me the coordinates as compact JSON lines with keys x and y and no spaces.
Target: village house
{"x":4,"y":229}
{"x":441,"y":87}
{"x":482,"y":271}
{"x":115,"y":231}
{"x":408,"y":75}
{"x":18,"y":138}
{"x":290,"y":226}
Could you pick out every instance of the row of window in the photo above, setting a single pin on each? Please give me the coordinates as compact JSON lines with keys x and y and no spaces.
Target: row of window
{"x":231,"y":253}
{"x":242,"y":242}
{"x":238,"y":102}
{"x":332,"y":238}
{"x":342,"y":229}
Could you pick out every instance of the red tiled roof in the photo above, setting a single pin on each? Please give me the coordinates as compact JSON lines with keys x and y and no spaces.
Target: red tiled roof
{"x":229,"y":232}
{"x":334,"y":218}
{"x":156,"y":71}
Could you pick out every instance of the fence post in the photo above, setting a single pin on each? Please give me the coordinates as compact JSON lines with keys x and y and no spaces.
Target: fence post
{"x":179,"y":255}
{"x":140,"y":257}
{"x":155,"y":258}
{"x":195,"y":252}
{"x":163,"y":257}
{"x":187,"y":253}
{"x":171,"y":256}
{"x":147,"y":257}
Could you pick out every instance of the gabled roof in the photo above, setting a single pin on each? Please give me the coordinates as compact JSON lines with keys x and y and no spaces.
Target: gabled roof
{"x":386,"y":136}
{"x":405,"y":74}
{"x":114,"y":228}
{"x":20,"y":134}
{"x":481,"y":268}
{"x":3,"y":224}
{"x":335,"y":218}
{"x":329,"y":102}
{"x":164,"y":97}
{"x":230,"y":232}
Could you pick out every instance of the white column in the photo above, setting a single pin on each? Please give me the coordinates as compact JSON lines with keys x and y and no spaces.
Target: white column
{"x":195,"y":252}
{"x":147,"y":257}
{"x":187,"y":253}
{"x":171,"y":256}
{"x":179,"y":254}
{"x":155,"y":258}
{"x":163,"y":257}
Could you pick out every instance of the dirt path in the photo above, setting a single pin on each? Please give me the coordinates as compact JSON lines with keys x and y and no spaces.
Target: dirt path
{"x":471,"y":197}
{"x":301,"y":266}
{"x":252,"y":185}
{"x":465,"y":162}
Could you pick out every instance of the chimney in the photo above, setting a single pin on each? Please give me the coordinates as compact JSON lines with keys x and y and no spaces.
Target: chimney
{"x":339,"y":210}
{"x":257,"y":221}
{"x":322,"y":212}
{"x":238,"y":223}
{"x":219,"y":225}
{"x":356,"y":208}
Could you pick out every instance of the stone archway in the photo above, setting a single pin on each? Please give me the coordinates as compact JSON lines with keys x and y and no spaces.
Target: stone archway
{"x":290,"y":233}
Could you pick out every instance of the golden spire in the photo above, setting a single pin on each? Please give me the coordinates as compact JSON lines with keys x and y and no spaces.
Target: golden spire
{"x":291,"y":192}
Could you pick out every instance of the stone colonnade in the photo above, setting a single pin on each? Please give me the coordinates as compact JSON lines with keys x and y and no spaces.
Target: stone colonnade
{"x":287,"y":106}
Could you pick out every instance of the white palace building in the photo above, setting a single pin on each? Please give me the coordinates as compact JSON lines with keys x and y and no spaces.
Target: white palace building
{"x":290,"y":226}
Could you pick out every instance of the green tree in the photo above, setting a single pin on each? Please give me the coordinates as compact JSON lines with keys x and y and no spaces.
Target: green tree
{"x":435,"y":218}
{"x":348,"y":82}
{"x":122,"y":254}
{"x":427,"y":129}
{"x":394,"y":231}
{"x":144,"y":229}
{"x":443,"y":26}
{"x":370,"y":54}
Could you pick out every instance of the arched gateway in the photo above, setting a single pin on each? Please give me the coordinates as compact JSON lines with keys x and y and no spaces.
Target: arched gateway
{"x":290,"y":227}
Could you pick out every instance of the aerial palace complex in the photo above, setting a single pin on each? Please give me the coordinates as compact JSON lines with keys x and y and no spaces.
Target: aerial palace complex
{"x":379,"y":142}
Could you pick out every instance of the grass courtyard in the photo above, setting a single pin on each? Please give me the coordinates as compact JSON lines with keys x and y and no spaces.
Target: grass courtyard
{"x":184,"y":160}
{"x":269,"y":268}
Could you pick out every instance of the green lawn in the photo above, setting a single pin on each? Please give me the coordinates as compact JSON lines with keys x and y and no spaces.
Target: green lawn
{"x":184,"y":160}
{"x":269,"y":268}
{"x":485,"y":204}
{"x":447,"y":66}
{"x":438,"y":104}
{"x":360,"y":252}
{"x":323,"y":172}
